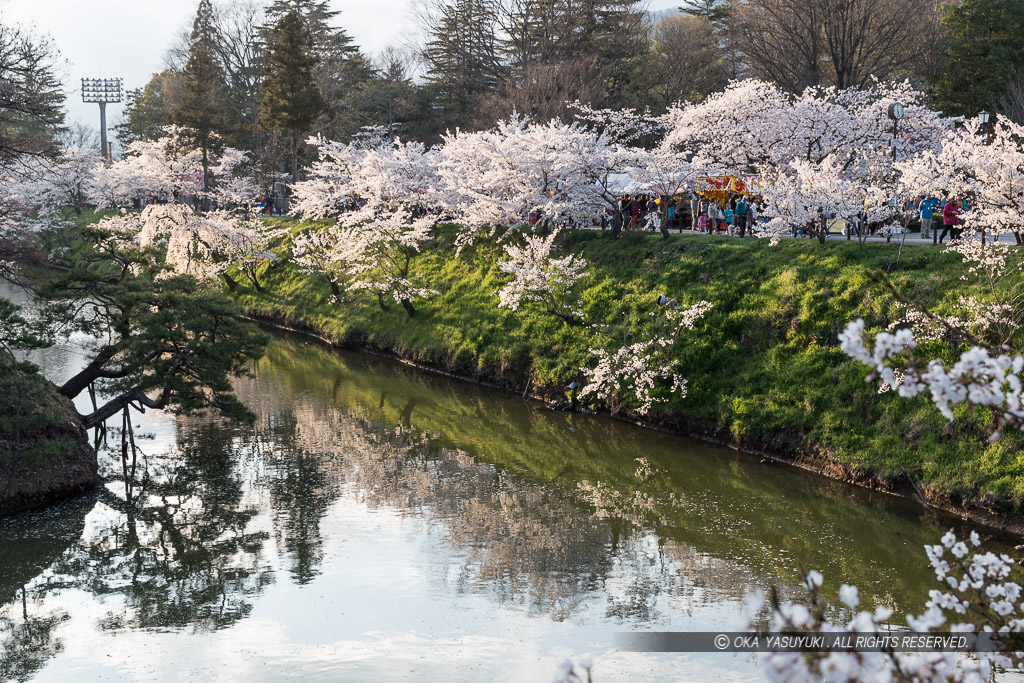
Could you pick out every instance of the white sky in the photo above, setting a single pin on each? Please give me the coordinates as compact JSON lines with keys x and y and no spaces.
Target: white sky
{"x":128,"y":38}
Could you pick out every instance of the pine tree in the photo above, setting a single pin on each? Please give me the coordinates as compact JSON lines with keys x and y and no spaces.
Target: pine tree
{"x":31,"y":96}
{"x":463,"y":57}
{"x":715,"y":11}
{"x":341,"y":69}
{"x":146,"y":110}
{"x":603,"y":39}
{"x":291,"y":101}
{"x":201,"y":110}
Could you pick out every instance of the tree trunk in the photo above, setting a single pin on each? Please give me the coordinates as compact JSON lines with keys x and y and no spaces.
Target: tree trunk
{"x":295,"y":156}
{"x":255,"y":282}
{"x":380,"y":300}
{"x":407,"y":305}
{"x":230,"y":281}
{"x":90,"y":373}
{"x":335,"y":289}
{"x":116,"y":405}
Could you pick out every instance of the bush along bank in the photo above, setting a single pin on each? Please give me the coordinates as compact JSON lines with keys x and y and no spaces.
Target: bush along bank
{"x":44,"y":450}
{"x":763,"y":368}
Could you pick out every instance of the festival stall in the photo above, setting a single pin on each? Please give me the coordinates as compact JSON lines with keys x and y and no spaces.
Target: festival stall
{"x":719,"y":188}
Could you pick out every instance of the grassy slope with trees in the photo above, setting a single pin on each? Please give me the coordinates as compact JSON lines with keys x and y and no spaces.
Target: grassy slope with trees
{"x":44,"y":452}
{"x":764,"y":368}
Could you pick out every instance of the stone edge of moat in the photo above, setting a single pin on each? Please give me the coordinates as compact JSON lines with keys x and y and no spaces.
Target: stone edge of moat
{"x":804,"y":454}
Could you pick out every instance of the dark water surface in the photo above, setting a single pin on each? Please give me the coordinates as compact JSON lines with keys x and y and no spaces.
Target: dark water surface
{"x":380,"y":523}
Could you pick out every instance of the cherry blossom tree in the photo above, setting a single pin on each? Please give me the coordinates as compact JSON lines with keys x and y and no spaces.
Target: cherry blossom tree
{"x":539,"y":277}
{"x":204,"y":246}
{"x":985,"y":168}
{"x":504,"y":176}
{"x":754,"y":126}
{"x":380,"y":190}
{"x":378,"y":253}
{"x":372,"y":171}
{"x":246,"y":244}
{"x":65,"y":180}
{"x":633,"y":368}
{"x":804,"y":199}
{"x":319,"y":253}
{"x":157,"y":169}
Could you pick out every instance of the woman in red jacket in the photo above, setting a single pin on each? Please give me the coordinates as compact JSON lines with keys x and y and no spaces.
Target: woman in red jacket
{"x":950,"y":221}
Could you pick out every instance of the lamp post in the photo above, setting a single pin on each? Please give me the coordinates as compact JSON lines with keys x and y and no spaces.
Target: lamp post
{"x":101,"y":91}
{"x":984,"y":117}
{"x":895,"y":113}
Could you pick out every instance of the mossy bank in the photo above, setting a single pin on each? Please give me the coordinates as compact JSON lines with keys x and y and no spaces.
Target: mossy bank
{"x":44,"y":450}
{"x":764,"y":368}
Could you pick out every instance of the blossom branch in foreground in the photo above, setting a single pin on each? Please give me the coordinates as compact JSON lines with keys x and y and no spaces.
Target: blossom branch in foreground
{"x":979,"y":591}
{"x":979,"y":378}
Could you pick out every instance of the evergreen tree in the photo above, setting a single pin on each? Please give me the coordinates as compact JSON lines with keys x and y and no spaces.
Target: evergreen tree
{"x":146,"y":110}
{"x":463,"y":57}
{"x":31,"y":96}
{"x":605,"y":40}
{"x":984,"y":52}
{"x":391,"y":99}
{"x":340,"y":70}
{"x":715,"y":11}
{"x":201,"y":110}
{"x":291,"y":100}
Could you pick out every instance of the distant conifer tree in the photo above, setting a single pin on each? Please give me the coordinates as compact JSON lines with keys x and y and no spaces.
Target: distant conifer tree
{"x":291,"y":100}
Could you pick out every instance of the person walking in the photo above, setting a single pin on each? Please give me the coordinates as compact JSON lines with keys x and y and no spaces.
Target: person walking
{"x":742,"y":209}
{"x":950,"y":220}
{"x":695,"y":211}
{"x":712,"y":217}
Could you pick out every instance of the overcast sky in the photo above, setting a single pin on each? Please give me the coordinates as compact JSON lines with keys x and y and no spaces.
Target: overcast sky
{"x":128,"y":38}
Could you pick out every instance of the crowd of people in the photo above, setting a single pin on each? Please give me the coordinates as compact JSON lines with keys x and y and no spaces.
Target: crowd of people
{"x":735,"y":215}
{"x":739,"y":214}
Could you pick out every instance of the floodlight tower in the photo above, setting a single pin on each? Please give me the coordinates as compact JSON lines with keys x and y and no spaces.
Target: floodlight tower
{"x":101,"y":91}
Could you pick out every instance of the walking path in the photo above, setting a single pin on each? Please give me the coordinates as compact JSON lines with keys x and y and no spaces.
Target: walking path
{"x":912,"y":238}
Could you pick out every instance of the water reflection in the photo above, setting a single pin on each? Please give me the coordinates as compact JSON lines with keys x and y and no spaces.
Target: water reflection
{"x":504,"y":509}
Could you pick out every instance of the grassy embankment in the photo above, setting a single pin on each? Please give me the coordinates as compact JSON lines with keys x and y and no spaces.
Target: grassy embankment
{"x":44,"y":454}
{"x":764,"y":367}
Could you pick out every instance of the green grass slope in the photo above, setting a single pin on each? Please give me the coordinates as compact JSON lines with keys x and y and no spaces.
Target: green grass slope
{"x":764,"y":367}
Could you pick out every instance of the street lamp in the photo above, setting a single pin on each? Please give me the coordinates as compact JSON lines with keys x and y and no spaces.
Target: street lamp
{"x":984,"y":117}
{"x":101,"y":91}
{"x":895,"y":113}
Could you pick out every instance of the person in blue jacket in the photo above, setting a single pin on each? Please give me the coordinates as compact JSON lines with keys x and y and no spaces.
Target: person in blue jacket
{"x":927,"y":209}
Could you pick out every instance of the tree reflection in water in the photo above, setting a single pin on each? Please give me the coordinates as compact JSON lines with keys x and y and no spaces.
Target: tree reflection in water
{"x":522,"y":542}
{"x":182,"y":551}
{"x":27,"y":638}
